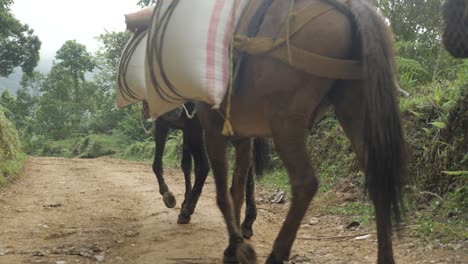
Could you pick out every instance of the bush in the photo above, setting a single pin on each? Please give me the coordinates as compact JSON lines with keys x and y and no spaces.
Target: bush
{"x":11,"y":154}
{"x":94,"y":146}
{"x":140,"y":150}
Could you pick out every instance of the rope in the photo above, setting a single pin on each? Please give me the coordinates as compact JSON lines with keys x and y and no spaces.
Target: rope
{"x":192,"y":115}
{"x":228,"y":129}
{"x":155,"y":46}
{"x":142,"y":117}
{"x":288,"y":29}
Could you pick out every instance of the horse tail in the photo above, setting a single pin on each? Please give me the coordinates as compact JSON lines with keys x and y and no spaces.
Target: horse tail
{"x":385,"y":165}
{"x":260,"y":156}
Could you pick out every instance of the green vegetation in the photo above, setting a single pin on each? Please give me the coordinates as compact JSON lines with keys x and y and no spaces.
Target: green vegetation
{"x":19,"y":47}
{"x":11,"y":155}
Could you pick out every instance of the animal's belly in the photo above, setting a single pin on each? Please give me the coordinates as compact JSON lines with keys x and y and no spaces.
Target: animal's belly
{"x":249,"y":118}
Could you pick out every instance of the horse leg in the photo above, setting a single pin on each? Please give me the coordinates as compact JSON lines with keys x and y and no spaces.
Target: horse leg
{"x":251,"y":206}
{"x":289,"y":135}
{"x":259,"y":162}
{"x":243,"y":162}
{"x":186,"y":165}
{"x":160,"y":138}
{"x":348,"y":101}
{"x":237,"y":250}
{"x":202,"y":167}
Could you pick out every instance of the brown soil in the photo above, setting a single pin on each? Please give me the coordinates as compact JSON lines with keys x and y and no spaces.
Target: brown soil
{"x":106,"y":210}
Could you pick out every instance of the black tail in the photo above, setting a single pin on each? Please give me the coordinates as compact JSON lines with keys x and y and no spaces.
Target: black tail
{"x":383,"y":136}
{"x":260,"y":155}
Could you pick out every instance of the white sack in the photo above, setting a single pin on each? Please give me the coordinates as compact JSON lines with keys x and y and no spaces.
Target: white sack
{"x":195,"y":53}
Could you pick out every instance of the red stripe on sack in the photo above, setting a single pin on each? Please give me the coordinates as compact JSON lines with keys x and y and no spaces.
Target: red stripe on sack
{"x":211,"y":48}
{"x":226,"y":47}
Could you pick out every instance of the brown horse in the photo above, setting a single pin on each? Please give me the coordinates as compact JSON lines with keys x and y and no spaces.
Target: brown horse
{"x":274,"y":99}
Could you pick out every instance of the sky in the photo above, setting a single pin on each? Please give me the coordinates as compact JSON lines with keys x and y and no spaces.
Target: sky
{"x":56,"y":21}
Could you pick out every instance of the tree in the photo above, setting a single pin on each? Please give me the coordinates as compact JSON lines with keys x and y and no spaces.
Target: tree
{"x":75,"y":59}
{"x":55,"y":105}
{"x":18,"y":44}
{"x":7,"y":101}
{"x":33,"y":82}
{"x":144,"y":3}
{"x":417,"y":28}
{"x":25,"y":111}
{"x":111,"y":47}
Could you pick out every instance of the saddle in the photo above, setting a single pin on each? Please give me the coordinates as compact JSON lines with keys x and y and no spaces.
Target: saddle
{"x":278,"y":47}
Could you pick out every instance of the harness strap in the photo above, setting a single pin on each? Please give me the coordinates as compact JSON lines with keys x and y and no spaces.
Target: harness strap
{"x":319,"y":65}
{"x":300,"y":59}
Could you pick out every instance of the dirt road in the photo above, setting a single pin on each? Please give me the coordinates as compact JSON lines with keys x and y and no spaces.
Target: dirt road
{"x":105,"y":210}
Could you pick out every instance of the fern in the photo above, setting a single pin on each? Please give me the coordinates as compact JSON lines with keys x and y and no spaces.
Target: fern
{"x":410,"y":65}
{"x":410,"y":71}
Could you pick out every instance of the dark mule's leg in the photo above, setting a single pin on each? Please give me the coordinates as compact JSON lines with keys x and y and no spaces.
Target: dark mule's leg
{"x":251,"y":206}
{"x":160,"y":138}
{"x":186,"y":165}
{"x":202,"y":167}
{"x":289,"y":135}
{"x":259,"y":162}
{"x":239,"y":179}
{"x":238,"y":250}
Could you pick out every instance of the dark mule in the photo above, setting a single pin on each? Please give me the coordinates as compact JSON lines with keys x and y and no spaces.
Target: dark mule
{"x":273,"y":99}
{"x":455,"y":29}
{"x":193,"y":147}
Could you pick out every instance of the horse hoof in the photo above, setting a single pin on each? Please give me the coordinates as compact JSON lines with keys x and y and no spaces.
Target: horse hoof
{"x":183,"y":219}
{"x":246,"y":254}
{"x":271,"y":260}
{"x":230,"y":260}
{"x":247,"y":232}
{"x":169,"y":200}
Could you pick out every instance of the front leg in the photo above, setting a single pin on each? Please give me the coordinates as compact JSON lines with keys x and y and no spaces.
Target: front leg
{"x":186,"y":165}
{"x":243,"y":162}
{"x":250,"y":205}
{"x":238,"y":250}
{"x":160,"y":138}
{"x":202,"y":167}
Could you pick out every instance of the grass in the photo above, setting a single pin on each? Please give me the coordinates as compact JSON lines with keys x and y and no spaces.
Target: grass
{"x":11,"y":155}
{"x":361,"y":212}
{"x":276,"y":179}
{"x":9,"y":169}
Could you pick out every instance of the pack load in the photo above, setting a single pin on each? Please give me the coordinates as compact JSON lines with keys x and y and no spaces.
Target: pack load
{"x":188,"y":55}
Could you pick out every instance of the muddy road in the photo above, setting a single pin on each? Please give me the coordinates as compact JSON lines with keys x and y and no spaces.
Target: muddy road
{"x":109,"y":211}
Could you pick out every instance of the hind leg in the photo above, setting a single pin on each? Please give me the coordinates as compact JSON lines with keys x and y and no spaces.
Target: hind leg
{"x":216,"y":148}
{"x":238,"y":250}
{"x":160,"y":138}
{"x":186,"y":164}
{"x":349,"y":107}
{"x":251,"y":206}
{"x":239,"y":179}
{"x":202,"y":167}
{"x":289,"y":134}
